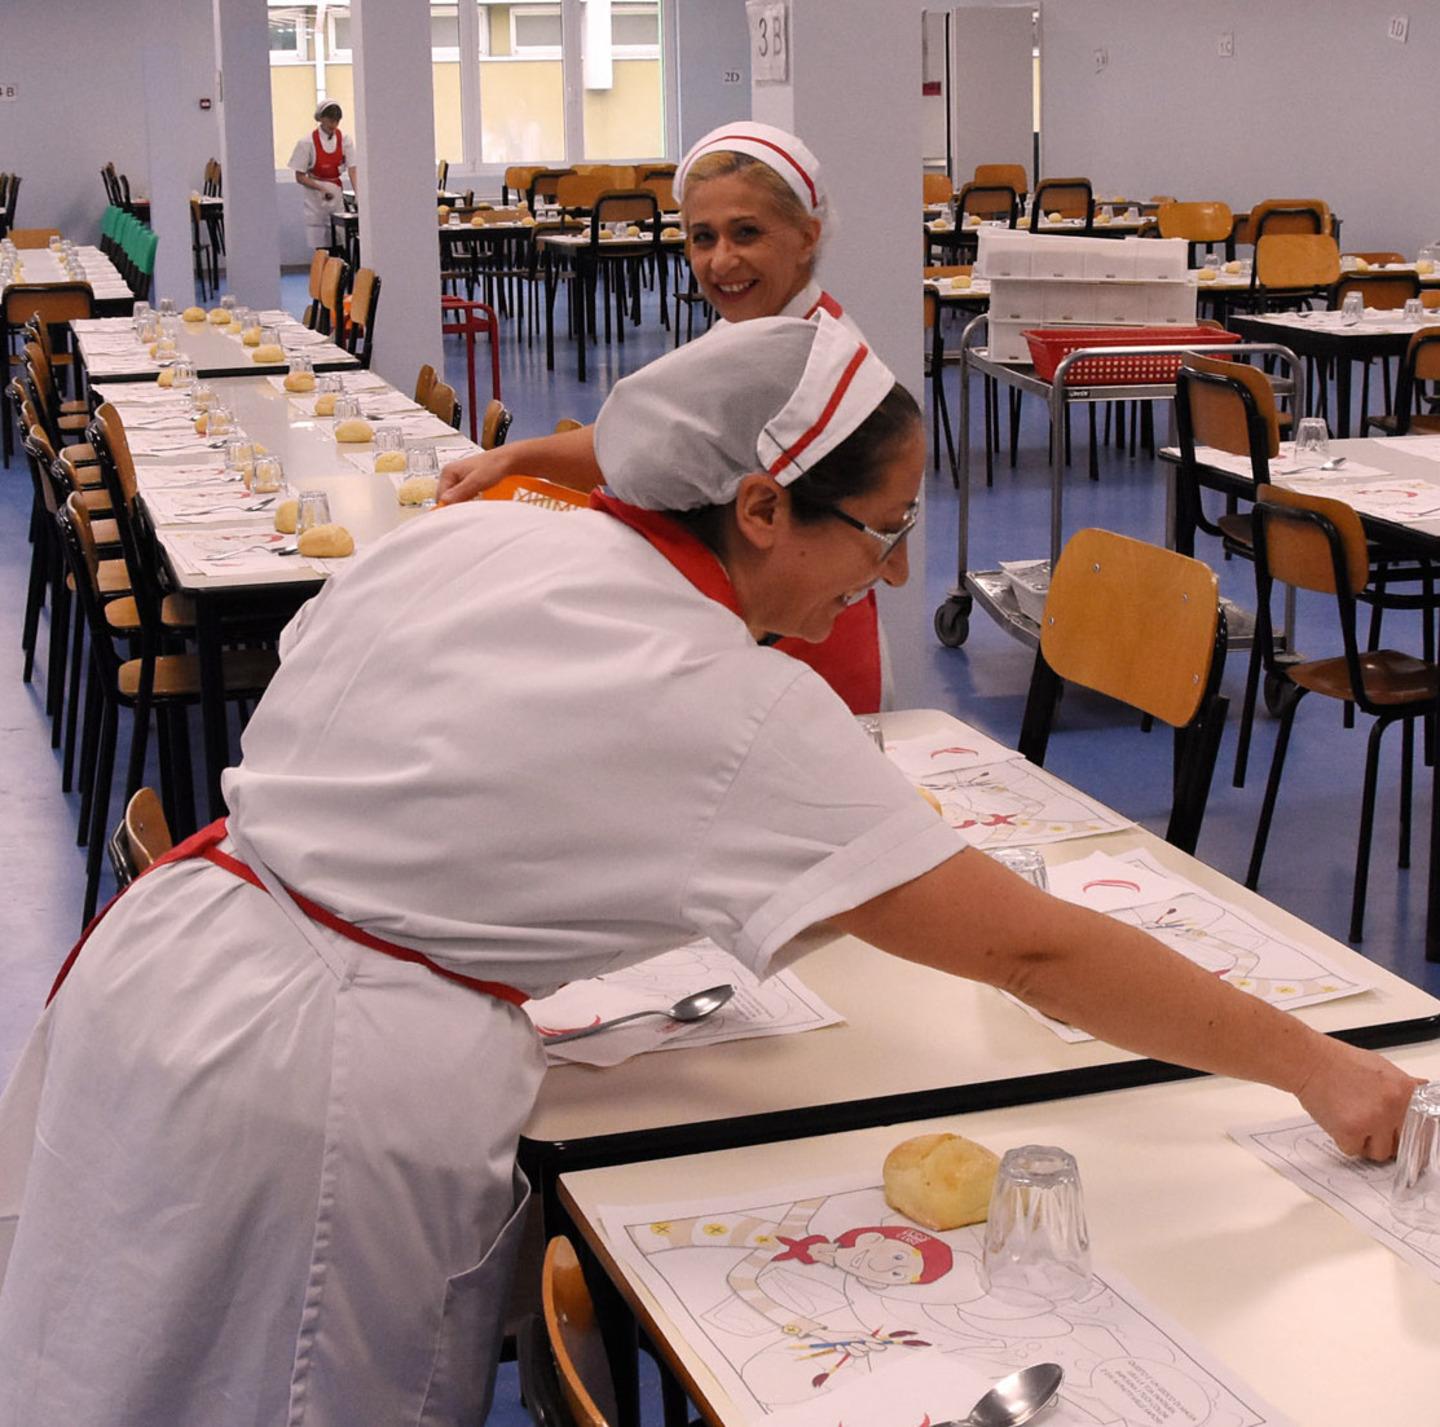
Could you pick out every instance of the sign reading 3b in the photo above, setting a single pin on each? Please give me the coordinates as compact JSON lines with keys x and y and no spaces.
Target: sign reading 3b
{"x":769,"y":41}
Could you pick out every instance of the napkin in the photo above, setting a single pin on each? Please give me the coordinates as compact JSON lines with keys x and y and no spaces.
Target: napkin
{"x":207,"y":505}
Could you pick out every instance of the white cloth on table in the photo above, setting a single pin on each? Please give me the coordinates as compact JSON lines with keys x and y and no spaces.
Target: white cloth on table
{"x":243,"y":1187}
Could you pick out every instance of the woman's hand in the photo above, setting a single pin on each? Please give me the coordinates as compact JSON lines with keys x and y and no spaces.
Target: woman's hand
{"x":464,"y":479}
{"x":1358,"y":1098}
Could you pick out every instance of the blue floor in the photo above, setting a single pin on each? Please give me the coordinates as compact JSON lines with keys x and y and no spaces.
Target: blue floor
{"x":1309,"y":865}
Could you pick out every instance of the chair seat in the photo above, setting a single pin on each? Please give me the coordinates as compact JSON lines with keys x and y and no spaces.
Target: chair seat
{"x":74,"y":407}
{"x":106,"y":532}
{"x":177,"y":676}
{"x":1238,"y":530}
{"x":96,"y":501}
{"x":177,"y":612}
{"x":1391,"y":678}
{"x":73,"y":421}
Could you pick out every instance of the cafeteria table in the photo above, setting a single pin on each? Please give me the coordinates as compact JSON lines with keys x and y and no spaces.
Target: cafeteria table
{"x":1402,"y":457}
{"x":915,"y":1043}
{"x":1303,"y":1307}
{"x":364,"y":504}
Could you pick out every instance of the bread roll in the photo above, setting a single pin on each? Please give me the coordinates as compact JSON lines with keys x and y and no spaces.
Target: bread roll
{"x":166,"y":378}
{"x":1232,"y":267}
{"x":1207,"y":275}
{"x":1022,"y":222}
{"x":325,"y":404}
{"x":202,"y":423}
{"x":444,"y":212}
{"x":417,"y":490}
{"x":193,"y":314}
{"x":671,"y":233}
{"x":353,"y":429}
{"x":250,"y":337}
{"x":268,"y":353}
{"x":286,"y":515}
{"x":633,"y":231}
{"x":940,"y":1181}
{"x":1052,"y":218}
{"x":299,"y":381}
{"x":476,"y":221}
{"x":220,"y":316}
{"x":327,"y":542}
{"x":388,"y":461}
{"x":527,"y":221}
{"x":1361,"y":265}
{"x":961,"y":280}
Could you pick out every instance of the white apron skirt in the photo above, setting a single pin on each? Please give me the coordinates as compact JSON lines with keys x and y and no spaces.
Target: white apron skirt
{"x":318,"y":208}
{"x":240,"y":1184}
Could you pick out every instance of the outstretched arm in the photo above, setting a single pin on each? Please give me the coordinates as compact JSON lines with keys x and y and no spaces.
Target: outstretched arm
{"x":1127,"y":988}
{"x":567,"y":458}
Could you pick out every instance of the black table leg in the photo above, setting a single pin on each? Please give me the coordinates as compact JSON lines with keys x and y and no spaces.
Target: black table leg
{"x":1342,"y":396}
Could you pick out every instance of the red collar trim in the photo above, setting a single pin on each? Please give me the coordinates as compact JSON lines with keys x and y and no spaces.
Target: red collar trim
{"x":683,"y":550}
{"x":826,"y":303}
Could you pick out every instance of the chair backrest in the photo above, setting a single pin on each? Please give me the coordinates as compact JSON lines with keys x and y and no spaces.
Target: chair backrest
{"x":496,"y":425}
{"x":441,"y":401}
{"x":1069,"y":197}
{"x":318,"y":259}
{"x":1289,"y":215}
{"x":442,"y":172}
{"x":663,"y":187}
{"x":1296,"y":261}
{"x":937,"y":188}
{"x":33,"y":237}
{"x":364,"y":300}
{"x":567,"y":423}
{"x":1421,"y":364}
{"x":545,"y":183}
{"x":580,"y":190}
{"x":147,"y":834}
{"x":580,"y":1359}
{"x":1231,"y":406}
{"x":635,"y":205}
{"x":1134,"y":621}
{"x":424,"y":383}
{"x":988,"y":201}
{"x":1003,"y":175}
{"x":332,"y":295}
{"x":1305,"y":553}
{"x":517,"y":178}
{"x":1383,"y":291}
{"x":1207,"y":222}
{"x":53,"y":303}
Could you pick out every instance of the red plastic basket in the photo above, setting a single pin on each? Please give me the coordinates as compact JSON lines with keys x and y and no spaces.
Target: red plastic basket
{"x":1050,"y":345}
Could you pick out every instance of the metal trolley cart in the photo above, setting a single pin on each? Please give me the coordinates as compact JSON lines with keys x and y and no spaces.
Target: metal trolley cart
{"x":1137,"y":370}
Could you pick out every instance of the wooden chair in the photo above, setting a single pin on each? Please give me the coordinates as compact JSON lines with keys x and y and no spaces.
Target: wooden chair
{"x":937,"y":189}
{"x":544,"y":186}
{"x":1143,"y":625}
{"x":318,"y":259}
{"x":1003,"y":176}
{"x":1314,"y":543}
{"x":140,"y":838}
{"x":1069,"y":197}
{"x":1293,"y":267}
{"x":1421,"y":363}
{"x":935,"y":371}
{"x":1386,"y":292}
{"x":442,"y":172}
{"x":635,"y":207}
{"x":360,"y":309}
{"x":441,"y":401}
{"x":333,"y":281}
{"x":1199,"y":224}
{"x":204,"y":256}
{"x":1290,"y":215}
{"x":663,"y":187}
{"x":577,"y":192}
{"x":987,"y":202}
{"x":496,"y":425}
{"x":516,"y":181}
{"x":583,"y":1368}
{"x":424,"y":384}
{"x":33,"y":237}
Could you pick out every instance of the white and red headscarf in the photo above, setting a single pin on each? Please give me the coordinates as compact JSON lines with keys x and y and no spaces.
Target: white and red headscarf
{"x":773,"y":147}
{"x":774,"y":394}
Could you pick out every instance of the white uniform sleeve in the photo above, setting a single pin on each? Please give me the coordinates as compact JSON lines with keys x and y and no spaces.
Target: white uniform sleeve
{"x":352,"y":156}
{"x":302,"y":156}
{"x":815,"y":822}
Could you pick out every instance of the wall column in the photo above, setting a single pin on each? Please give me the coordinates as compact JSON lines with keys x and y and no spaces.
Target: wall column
{"x":168,"y":118}
{"x":395,"y":125}
{"x":853,"y":96}
{"x":247,"y":153}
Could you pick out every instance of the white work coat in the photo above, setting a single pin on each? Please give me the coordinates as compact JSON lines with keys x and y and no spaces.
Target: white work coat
{"x":319,"y":204}
{"x":260,"y":1176}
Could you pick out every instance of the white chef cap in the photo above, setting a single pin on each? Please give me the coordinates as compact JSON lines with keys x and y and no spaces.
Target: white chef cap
{"x":775,"y":394}
{"x":325,"y":106}
{"x":774,"y":148}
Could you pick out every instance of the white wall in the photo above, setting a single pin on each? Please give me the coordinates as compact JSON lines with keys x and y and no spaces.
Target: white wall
{"x":1317,"y":102}
{"x":78,"y":67}
{"x":712,"y":38}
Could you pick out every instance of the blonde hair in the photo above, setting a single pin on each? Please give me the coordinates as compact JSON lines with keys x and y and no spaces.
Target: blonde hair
{"x":722,"y":163}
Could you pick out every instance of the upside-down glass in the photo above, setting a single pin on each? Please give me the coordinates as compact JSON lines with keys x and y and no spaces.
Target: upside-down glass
{"x":219,"y":421}
{"x":1036,"y":1238}
{"x":269,"y":475}
{"x":1414,"y":310}
{"x":240,"y":460}
{"x":182,"y":375}
{"x":167,"y":306}
{"x":1415,"y":1198}
{"x":346,"y":407}
{"x":1352,"y":309}
{"x":314,"y":510}
{"x":421,"y":461}
{"x":202,"y":397}
{"x":1312,"y":441}
{"x":1026,"y":862}
{"x":389,"y":438}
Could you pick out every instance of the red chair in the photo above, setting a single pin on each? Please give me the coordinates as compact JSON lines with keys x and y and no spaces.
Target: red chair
{"x":461,"y":318}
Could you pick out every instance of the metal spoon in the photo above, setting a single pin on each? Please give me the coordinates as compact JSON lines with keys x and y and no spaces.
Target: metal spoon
{"x":1334,"y":463}
{"x":1015,"y":1399}
{"x":694,"y":1007}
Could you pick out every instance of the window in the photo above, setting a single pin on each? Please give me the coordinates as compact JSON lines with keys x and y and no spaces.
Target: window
{"x":290,"y":31}
{"x":635,"y":31}
{"x":536,"y":31}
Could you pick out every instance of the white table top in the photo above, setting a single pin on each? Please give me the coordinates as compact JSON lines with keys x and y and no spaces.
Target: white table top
{"x":40,"y":265}
{"x":1323,"y":1321}
{"x":909,"y":1030}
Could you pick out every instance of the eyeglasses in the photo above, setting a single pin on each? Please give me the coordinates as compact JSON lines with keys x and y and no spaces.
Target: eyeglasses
{"x":886,"y":539}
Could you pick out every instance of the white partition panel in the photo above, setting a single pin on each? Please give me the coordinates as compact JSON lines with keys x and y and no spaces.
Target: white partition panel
{"x":992,"y":88}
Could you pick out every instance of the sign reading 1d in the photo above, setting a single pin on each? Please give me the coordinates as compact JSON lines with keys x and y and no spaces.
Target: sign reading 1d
{"x":769,"y":41}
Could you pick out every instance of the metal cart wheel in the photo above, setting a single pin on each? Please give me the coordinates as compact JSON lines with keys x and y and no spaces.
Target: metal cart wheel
{"x":952,"y":621}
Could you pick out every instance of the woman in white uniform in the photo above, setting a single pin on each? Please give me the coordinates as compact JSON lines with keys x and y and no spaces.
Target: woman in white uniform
{"x":320,"y":161}
{"x":755,"y":211}
{"x":256,"y":1161}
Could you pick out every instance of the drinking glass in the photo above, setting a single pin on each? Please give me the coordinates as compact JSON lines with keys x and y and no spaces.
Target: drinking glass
{"x":1352,"y":309}
{"x":165,"y":349}
{"x":269,"y":335}
{"x":346,"y":407}
{"x":389,"y":438}
{"x":1036,"y":1237}
{"x":221,"y":422}
{"x":269,"y":475}
{"x":1026,"y":862}
{"x":202,"y":397}
{"x":1312,"y":441}
{"x":1414,"y":310}
{"x":144,"y":324}
{"x":1415,"y":1198}
{"x":314,"y":510}
{"x":240,"y":460}
{"x":422,"y":461}
{"x":329,"y":386}
{"x":302,"y":362}
{"x":871,"y":726}
{"x":54,"y":243}
{"x":229,"y":303}
{"x":182,"y":375}
{"x":167,"y":306}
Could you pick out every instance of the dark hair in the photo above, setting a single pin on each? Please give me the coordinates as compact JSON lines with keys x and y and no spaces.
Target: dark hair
{"x":851,"y":469}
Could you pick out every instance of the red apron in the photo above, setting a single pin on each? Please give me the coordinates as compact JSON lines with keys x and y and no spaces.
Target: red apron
{"x":327,"y":166}
{"x":849,"y":657}
{"x":205,"y":843}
